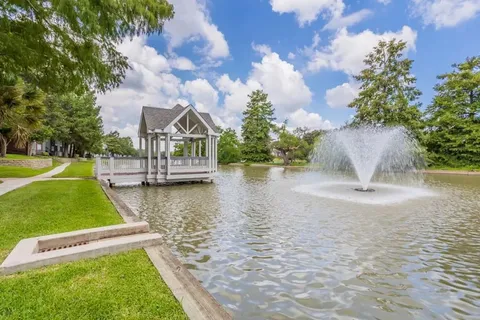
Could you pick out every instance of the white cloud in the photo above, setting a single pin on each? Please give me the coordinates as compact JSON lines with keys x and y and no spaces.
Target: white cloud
{"x":205,"y":97}
{"x":191,"y":23}
{"x":349,"y":20}
{"x":291,"y":55}
{"x":445,"y":13}
{"x":308,"y":11}
{"x":263,"y":49}
{"x":346,"y":51}
{"x":279,"y":79}
{"x":342,"y":95}
{"x":182,"y":63}
{"x":302,"y":118}
{"x":384,"y":1}
{"x":144,"y":55}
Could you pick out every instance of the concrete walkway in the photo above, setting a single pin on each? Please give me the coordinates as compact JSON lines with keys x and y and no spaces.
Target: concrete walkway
{"x":10,"y":184}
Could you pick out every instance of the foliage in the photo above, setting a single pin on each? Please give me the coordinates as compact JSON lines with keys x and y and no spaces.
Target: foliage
{"x":21,"y":112}
{"x":75,"y":120}
{"x":62,"y":45}
{"x":453,"y":118}
{"x":256,"y":127}
{"x":116,"y":145}
{"x":310,"y":139}
{"x":287,"y":143}
{"x":81,"y":169}
{"x":388,"y":94}
{"x":228,"y":147}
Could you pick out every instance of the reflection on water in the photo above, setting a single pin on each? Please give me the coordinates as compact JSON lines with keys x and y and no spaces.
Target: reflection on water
{"x":265,"y":251}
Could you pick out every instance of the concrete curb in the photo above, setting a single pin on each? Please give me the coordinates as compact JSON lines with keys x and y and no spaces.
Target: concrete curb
{"x":197,"y":302}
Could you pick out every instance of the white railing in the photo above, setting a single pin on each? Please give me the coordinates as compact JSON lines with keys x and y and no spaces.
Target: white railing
{"x":139,"y":165}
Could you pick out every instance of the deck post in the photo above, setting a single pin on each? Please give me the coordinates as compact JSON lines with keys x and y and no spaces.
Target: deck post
{"x":185,"y":148}
{"x":111,"y":166}
{"x":98,"y":166}
{"x":149,"y":159}
{"x":140,"y":145}
{"x":159,"y":166}
{"x":167,"y":148}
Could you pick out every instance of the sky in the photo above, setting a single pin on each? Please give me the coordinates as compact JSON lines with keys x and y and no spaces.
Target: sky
{"x":303,"y":53}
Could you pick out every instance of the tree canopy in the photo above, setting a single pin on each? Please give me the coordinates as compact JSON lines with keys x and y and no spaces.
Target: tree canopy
{"x":228,"y":147}
{"x":257,"y":124}
{"x":287,"y":143}
{"x":116,"y":145}
{"x":388,"y":95}
{"x":453,"y":117}
{"x":63,"y":45}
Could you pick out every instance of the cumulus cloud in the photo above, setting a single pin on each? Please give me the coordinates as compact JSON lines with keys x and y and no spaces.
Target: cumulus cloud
{"x":342,"y":95}
{"x":285,"y":85}
{"x":192,"y":23}
{"x":182,"y":63}
{"x":302,"y":118}
{"x":346,"y":51}
{"x":349,"y":20}
{"x":307,"y":11}
{"x":202,"y":92}
{"x":291,"y":55}
{"x":445,"y":13}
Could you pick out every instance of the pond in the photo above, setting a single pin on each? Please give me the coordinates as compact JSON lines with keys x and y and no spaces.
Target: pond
{"x":265,"y":251}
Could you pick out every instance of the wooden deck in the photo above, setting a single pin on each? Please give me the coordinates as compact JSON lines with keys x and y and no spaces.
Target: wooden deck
{"x":136,"y":170}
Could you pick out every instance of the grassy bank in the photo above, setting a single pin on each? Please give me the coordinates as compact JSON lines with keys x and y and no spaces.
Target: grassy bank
{"x":122,"y":286}
{"x":21,"y":172}
{"x":446,"y":168}
{"x":49,"y":207}
{"x":82,"y":169}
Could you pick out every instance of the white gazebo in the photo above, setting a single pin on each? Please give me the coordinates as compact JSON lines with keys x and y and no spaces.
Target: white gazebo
{"x":159,"y":131}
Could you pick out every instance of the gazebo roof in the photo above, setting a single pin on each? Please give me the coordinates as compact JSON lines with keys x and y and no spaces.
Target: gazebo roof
{"x":160,"y":118}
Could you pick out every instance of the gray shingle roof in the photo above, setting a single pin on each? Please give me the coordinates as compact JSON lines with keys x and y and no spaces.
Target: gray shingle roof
{"x":160,"y":118}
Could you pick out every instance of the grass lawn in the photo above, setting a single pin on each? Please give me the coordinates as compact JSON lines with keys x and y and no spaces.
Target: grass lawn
{"x":82,"y":169}
{"x":21,"y":172}
{"x":48,"y":207}
{"x":19,"y":157}
{"x":122,"y":286}
{"x":467,"y":168}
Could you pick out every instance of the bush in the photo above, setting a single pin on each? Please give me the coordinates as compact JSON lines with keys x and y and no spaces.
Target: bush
{"x":45,"y":154}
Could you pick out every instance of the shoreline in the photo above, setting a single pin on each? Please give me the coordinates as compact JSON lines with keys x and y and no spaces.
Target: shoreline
{"x":428,"y":171}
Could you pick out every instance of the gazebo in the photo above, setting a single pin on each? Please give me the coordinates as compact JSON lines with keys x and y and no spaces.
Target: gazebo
{"x":159,"y":131}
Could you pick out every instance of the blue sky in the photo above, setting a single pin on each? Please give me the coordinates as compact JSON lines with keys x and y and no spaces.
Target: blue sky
{"x":303,"y":53}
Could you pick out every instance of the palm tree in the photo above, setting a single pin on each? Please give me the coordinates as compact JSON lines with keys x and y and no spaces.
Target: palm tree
{"x":21,"y":112}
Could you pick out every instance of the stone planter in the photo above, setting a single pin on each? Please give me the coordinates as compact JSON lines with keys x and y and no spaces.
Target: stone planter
{"x":27,"y":163}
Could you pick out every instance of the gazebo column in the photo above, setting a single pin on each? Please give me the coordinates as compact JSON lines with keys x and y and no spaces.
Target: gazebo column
{"x":193,"y":148}
{"x":200,"y":147}
{"x":185,"y":147}
{"x":140,"y":145}
{"x":159,"y":166}
{"x":215,"y":153}
{"x":149,"y":155}
{"x":167,"y":151}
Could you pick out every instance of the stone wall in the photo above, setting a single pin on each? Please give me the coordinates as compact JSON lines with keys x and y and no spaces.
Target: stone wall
{"x":27,"y":163}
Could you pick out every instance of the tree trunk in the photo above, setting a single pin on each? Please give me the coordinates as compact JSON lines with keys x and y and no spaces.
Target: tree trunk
{"x":286,"y":162}
{"x":3,"y":146}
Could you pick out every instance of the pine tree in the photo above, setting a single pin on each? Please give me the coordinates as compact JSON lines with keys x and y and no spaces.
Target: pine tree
{"x":256,"y":127}
{"x":388,"y":94}
{"x":453,"y":118}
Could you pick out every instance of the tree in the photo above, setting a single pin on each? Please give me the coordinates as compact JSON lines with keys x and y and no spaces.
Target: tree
{"x":287,"y":143}
{"x":228,"y":147}
{"x":116,"y":145}
{"x":62,"y":45}
{"x":310,"y":138}
{"x":388,"y":95}
{"x":453,"y":118}
{"x":21,"y":113}
{"x":256,"y":127}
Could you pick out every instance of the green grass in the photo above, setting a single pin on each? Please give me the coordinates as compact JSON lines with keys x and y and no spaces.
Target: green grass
{"x":49,"y":207}
{"x":21,"y":172}
{"x":464,"y":168}
{"x":122,"y":286}
{"x":83,"y":169}
{"x":19,"y":157}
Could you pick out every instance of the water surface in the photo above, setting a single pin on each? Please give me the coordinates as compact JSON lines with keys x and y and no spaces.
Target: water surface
{"x":267,"y":252}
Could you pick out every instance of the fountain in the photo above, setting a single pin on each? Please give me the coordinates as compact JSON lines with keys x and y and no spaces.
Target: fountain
{"x":388,"y":154}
